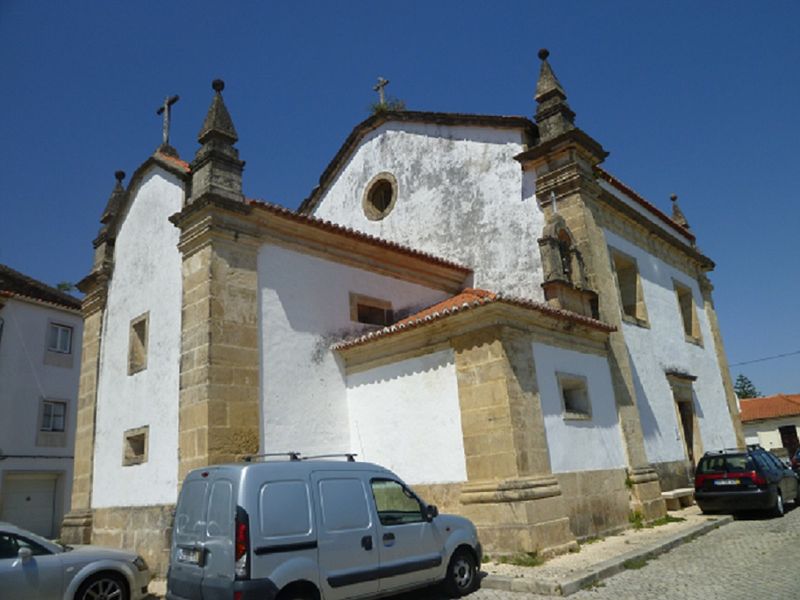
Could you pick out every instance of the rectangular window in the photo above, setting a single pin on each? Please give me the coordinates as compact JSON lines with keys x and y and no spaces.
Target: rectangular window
{"x":691,"y":325}
{"x":137,"y":344}
{"x":630,"y":287}
{"x":396,"y":505}
{"x":135,"y":446}
{"x":574,"y":396}
{"x":59,"y":338}
{"x":370,"y":311}
{"x":54,"y":415}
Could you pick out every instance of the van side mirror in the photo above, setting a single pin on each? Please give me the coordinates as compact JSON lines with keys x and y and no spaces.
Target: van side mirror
{"x":431,"y":512}
{"x":24,"y":554}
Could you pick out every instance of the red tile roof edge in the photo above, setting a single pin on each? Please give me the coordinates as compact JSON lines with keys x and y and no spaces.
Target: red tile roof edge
{"x":54,"y":304}
{"x":13,"y":284}
{"x":628,"y":191}
{"x":355,"y":234}
{"x":175,"y":160}
{"x":769,"y":407}
{"x":454,"y":305}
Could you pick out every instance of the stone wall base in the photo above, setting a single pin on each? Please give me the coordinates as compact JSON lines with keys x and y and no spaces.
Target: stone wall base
{"x":446,"y":496}
{"x":597,"y":502}
{"x":143,"y":529}
{"x":77,"y":527}
{"x":675,"y":474}
{"x":646,"y":493}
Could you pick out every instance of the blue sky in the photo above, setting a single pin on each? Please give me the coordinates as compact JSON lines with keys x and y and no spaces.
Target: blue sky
{"x":696,"y":98}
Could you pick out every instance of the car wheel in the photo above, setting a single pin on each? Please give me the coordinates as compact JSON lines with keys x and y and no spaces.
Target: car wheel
{"x":462,"y":574}
{"x":104,"y":586}
{"x":778,"y":510}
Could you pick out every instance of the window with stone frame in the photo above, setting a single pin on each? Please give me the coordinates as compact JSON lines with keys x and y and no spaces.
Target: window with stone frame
{"x":686,"y":306}
{"x":629,"y":284}
{"x":59,"y":338}
{"x":54,"y":416}
{"x":380,"y":196}
{"x":135,"y":442}
{"x":370,"y":311}
{"x":137,"y":344}
{"x":574,"y":392}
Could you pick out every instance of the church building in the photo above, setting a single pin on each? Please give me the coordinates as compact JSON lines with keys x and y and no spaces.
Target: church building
{"x":469,"y":300}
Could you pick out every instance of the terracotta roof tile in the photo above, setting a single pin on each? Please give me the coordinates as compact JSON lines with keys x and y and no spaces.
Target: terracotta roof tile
{"x":182,"y":164}
{"x":770,"y":407}
{"x":14,"y":284}
{"x":355,"y":234}
{"x":469,"y":299}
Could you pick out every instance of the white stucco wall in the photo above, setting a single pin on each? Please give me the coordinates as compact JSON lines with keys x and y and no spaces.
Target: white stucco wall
{"x":578,"y":445}
{"x":406,"y":416}
{"x":147,"y":277}
{"x":461,"y":196}
{"x":663,"y":347}
{"x":304,"y":308}
{"x":25,"y":380}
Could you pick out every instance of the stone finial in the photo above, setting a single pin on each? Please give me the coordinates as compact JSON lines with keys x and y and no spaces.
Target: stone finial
{"x":553,"y":114}
{"x":115,"y":201}
{"x":218,"y":123}
{"x":216,"y":169}
{"x":677,"y":213}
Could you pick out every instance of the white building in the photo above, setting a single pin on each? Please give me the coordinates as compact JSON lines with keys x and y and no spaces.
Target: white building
{"x":40,"y":358}
{"x":468,"y":299}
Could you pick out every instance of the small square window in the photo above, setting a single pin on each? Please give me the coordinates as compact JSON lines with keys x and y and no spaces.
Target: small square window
{"x":135,"y":446}
{"x":54,"y":415}
{"x":691,"y":325}
{"x":370,"y":311}
{"x":574,"y":396}
{"x":137,"y":345}
{"x":630,"y":287}
{"x":59,"y":338}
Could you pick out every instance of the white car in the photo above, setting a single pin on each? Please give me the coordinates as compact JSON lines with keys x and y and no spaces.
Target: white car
{"x":33,"y":567}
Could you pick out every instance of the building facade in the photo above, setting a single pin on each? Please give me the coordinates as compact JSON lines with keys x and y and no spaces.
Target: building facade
{"x":469,"y":300}
{"x":40,"y":357}
{"x":772,"y":422}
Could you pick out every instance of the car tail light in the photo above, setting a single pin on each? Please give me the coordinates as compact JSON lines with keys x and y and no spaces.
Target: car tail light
{"x":757,"y":479}
{"x":242,"y":544}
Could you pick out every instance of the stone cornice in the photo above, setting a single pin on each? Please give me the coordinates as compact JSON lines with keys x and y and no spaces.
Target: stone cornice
{"x":437,"y":334}
{"x":572,"y":138}
{"x":213,"y":217}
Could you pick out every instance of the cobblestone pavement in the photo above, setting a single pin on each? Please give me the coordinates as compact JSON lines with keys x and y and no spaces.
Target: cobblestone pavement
{"x":751,"y":558}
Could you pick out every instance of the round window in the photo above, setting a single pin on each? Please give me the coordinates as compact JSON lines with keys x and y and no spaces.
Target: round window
{"x":380,"y":196}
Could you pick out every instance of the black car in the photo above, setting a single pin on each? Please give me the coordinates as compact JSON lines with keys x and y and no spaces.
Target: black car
{"x":750,"y":479}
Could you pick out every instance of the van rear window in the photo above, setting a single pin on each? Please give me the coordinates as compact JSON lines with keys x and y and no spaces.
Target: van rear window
{"x":189,"y":519}
{"x":284,"y":509}
{"x":730,"y":463}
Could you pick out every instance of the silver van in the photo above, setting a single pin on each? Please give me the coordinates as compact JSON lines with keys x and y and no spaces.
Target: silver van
{"x":312,"y":529}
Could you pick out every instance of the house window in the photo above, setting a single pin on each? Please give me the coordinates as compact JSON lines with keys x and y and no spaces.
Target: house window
{"x":59,"y":338}
{"x":137,"y":345}
{"x":54,"y":416}
{"x":380,"y":196}
{"x":630,"y":288}
{"x":691,"y":325}
{"x":574,"y":396}
{"x":135,"y":446}
{"x":370,"y":311}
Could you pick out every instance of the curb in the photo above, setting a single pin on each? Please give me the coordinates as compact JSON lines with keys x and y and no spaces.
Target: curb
{"x":577,"y":581}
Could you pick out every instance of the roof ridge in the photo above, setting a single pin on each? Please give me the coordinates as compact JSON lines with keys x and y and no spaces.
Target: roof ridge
{"x":44,"y":289}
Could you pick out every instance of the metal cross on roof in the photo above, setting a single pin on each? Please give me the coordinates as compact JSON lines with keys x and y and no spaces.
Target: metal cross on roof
{"x":165,"y":110}
{"x":378,"y":87}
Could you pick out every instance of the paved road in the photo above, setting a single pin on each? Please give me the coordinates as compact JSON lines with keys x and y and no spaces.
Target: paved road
{"x":751,"y":558}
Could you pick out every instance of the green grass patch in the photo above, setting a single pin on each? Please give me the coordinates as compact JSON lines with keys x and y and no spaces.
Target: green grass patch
{"x":635,"y":563}
{"x":665,"y":520}
{"x":593,"y":540}
{"x":636,"y":519}
{"x":523,"y":559}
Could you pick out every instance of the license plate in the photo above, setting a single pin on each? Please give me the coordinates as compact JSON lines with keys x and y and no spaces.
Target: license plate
{"x":726,"y":482}
{"x":189,"y":555}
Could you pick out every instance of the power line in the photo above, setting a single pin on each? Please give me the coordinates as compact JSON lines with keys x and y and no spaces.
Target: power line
{"x":749,"y":362}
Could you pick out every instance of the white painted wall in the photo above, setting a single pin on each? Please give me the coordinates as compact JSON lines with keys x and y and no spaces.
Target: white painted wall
{"x":461,"y":196}
{"x":147,"y":277}
{"x":766,"y":432}
{"x":406,"y":416}
{"x":578,"y":445}
{"x":304,"y":307}
{"x":25,"y":379}
{"x":661,"y":347}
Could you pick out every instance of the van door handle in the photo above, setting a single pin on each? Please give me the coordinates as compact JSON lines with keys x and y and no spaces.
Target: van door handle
{"x":366,"y":542}
{"x":388,"y":537}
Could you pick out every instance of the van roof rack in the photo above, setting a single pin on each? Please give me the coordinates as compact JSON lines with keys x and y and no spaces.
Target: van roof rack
{"x":351,"y":456}
{"x":291,"y":455}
